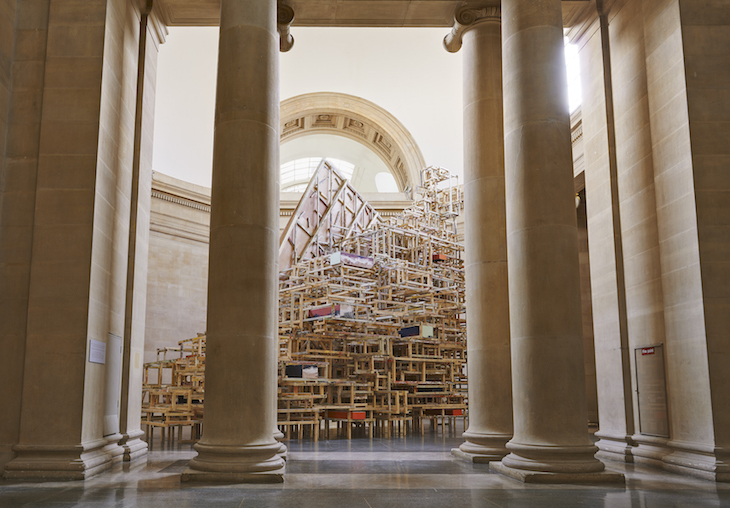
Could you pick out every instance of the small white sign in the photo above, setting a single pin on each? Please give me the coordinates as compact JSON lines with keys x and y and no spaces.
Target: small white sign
{"x":97,"y":351}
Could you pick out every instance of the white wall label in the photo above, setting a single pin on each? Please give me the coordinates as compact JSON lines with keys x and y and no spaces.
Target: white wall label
{"x":97,"y":351}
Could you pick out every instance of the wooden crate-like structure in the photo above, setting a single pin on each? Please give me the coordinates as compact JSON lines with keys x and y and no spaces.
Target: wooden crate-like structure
{"x":383,"y":309}
{"x":173,"y":389}
{"x":371,"y":318}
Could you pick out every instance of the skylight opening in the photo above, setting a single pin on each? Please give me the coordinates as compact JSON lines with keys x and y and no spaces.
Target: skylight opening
{"x":298,"y":170}
{"x":295,"y":175}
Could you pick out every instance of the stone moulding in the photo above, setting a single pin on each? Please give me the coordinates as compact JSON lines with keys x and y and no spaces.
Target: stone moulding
{"x":465,"y":18}
{"x":284,"y":19}
{"x":58,"y":462}
{"x":180,"y":201}
{"x":359,"y":120}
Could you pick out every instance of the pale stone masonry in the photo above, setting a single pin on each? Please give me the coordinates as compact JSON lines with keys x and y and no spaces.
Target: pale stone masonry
{"x":487,"y":301}
{"x":655,"y":85}
{"x":242,"y":331}
{"x":80,"y":128}
{"x":77,"y":90}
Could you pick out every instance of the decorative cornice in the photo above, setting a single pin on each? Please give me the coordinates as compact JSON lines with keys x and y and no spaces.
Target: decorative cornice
{"x":346,"y":13}
{"x":576,"y":134}
{"x":180,"y":201}
{"x":284,"y":19}
{"x":158,"y":27}
{"x":576,"y":125}
{"x":150,"y":14}
{"x":465,"y":18}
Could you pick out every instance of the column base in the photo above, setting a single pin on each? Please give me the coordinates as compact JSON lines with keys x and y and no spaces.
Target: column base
{"x":553,"y":458}
{"x":650,"y":450}
{"x":39,"y":462}
{"x":6,"y":455}
{"x":133,"y":445}
{"x":236,"y":464}
{"x":113,"y":448}
{"x":526,"y":476}
{"x":554,"y":464}
{"x":283,"y":450}
{"x":474,"y":458}
{"x":616,"y":447}
{"x":692,"y":460}
{"x":482,"y":448}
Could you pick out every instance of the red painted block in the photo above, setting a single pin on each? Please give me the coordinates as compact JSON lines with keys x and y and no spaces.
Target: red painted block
{"x":447,"y":412}
{"x":324,"y":311}
{"x":342,"y":415}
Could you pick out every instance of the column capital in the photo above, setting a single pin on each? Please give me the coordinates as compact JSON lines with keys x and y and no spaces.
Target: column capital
{"x":467,"y":17}
{"x":284,"y":19}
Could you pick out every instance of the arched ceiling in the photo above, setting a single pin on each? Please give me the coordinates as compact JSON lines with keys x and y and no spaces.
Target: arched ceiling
{"x":360,"y":120}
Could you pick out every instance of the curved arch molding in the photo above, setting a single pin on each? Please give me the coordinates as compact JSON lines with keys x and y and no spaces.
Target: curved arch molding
{"x":360,"y":120}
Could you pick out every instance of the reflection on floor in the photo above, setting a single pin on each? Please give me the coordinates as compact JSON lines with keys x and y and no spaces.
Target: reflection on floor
{"x":413,"y":471}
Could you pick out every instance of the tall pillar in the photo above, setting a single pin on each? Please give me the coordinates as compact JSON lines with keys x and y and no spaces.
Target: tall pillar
{"x":487,"y":310}
{"x":284,"y":19}
{"x":19,"y":156}
{"x":77,"y":156}
{"x":550,"y":442}
{"x":237,"y":442}
{"x":607,"y":273}
{"x":151,"y":34}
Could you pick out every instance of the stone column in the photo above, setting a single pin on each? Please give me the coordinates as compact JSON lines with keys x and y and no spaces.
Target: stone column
{"x":151,"y":34}
{"x":490,"y":391}
{"x":237,"y":442}
{"x":608,"y":283}
{"x":284,"y":19}
{"x":550,"y":442}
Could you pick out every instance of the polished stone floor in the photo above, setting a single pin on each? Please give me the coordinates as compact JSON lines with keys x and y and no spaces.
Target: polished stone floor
{"x":413,"y":471}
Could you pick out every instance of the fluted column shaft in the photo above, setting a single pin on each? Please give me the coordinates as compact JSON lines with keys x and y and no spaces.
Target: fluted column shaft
{"x":237,"y":442}
{"x":548,"y":381}
{"x":490,"y":395}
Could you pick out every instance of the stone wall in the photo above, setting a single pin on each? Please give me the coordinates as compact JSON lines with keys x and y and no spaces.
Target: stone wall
{"x":67,"y":202}
{"x":135,"y":317}
{"x":7,"y":32}
{"x":177,"y":285}
{"x":705,"y":35}
{"x":604,"y":242}
{"x":655,"y":120}
{"x":636,"y":187}
{"x":24,"y":31}
{"x":688,"y":381}
{"x":9,"y":431}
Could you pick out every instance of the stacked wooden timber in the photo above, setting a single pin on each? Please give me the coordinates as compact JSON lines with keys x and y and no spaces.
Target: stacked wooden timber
{"x":371,"y":318}
{"x":378,"y":321}
{"x":173,"y":387}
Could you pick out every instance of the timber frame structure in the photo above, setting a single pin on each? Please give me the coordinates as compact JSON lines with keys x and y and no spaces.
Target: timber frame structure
{"x":371,"y":318}
{"x":372,"y":329}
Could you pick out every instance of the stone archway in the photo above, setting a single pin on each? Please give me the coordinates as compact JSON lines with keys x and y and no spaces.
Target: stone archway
{"x":360,"y":120}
